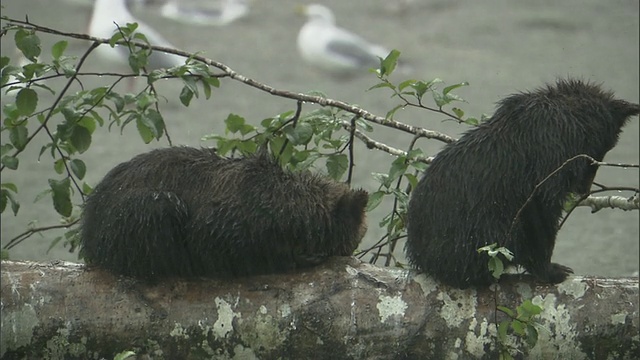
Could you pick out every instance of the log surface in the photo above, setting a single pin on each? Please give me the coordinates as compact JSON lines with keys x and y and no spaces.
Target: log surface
{"x":344,"y":309}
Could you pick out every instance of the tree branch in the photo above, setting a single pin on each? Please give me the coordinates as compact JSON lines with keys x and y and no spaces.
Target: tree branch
{"x":250,"y":82}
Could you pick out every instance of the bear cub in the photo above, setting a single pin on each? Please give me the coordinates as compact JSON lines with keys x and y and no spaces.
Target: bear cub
{"x":475,"y":188}
{"x":186,"y":212}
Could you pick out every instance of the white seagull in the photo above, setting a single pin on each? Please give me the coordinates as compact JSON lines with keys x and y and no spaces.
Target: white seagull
{"x":333,"y":49}
{"x":106,"y":14}
{"x":220,"y":13}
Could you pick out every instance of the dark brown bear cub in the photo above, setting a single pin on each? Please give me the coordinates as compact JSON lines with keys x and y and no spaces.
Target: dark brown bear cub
{"x":187,"y":212}
{"x":470,"y":194}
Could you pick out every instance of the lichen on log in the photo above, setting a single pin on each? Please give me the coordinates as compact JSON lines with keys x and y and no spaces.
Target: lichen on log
{"x":344,"y":309}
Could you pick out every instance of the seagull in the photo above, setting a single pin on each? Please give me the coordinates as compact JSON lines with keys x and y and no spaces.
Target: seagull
{"x":323,"y":44}
{"x":222,"y":13}
{"x":106,"y":14}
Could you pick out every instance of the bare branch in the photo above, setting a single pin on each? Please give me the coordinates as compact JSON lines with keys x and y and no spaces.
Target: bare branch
{"x":597,"y":203}
{"x":253,"y":83}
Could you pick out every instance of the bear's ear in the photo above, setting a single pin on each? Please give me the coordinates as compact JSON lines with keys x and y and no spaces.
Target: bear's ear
{"x":353,"y":203}
{"x":622,"y":110}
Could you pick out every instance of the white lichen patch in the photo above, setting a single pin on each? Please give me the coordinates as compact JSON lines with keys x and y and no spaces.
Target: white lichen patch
{"x":59,"y":346}
{"x":243,"y":353}
{"x":15,"y":285}
{"x":351,"y":271}
{"x":427,"y":284}
{"x":459,"y":305}
{"x":17,"y":328}
{"x":224,"y":324}
{"x":572,"y":287}
{"x":389,"y":306}
{"x":262,"y":331}
{"x":263,"y":310}
{"x":178,"y":331}
{"x":452,"y":356}
{"x":524,"y":290}
{"x":563,"y":339}
{"x":477,"y":338}
{"x":285,"y":310}
{"x":619,"y":318}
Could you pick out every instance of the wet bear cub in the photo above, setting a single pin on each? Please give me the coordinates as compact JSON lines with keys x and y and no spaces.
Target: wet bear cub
{"x":471,"y":193}
{"x":187,"y":212}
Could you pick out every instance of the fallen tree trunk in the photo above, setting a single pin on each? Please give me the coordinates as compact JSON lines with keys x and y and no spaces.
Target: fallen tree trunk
{"x":344,"y":309}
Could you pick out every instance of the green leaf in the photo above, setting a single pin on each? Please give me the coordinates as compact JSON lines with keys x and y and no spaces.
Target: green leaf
{"x":374,"y":200}
{"x":496,"y":267}
{"x":301,"y":134}
{"x":472,"y":121}
{"x":364,"y":124}
{"x":532,"y":335}
{"x":42,"y":195}
{"x":502,"y":330}
{"x":505,"y":252}
{"x":448,"y":89}
{"x":144,"y":100}
{"x":403,"y":85}
{"x":11,"y":113}
{"x":518,"y":327}
{"x":88,"y":123}
{"x":4,"y":61}
{"x":80,"y":139}
{"x":78,"y":167}
{"x":58,"y":166}
{"x":58,"y":49}
{"x":18,"y":136}
{"x":6,"y":195}
{"x":277,"y":144}
{"x":382,"y":178}
{"x":234,"y":123}
{"x":61,"y":194}
{"x":117,"y":36}
{"x":155,"y":121}
{"x":388,"y":64}
{"x":383,"y":84}
{"x":398,"y":168}
{"x":11,"y":162}
{"x":246,"y":147}
{"x":337,"y":165}
{"x":144,"y":130}
{"x":207,"y":89}
{"x":28,"y":43}
{"x":459,"y":112}
{"x":10,"y":186}
{"x":413,"y":180}
{"x":213,"y":81}
{"x":86,"y":189}
{"x":528,"y":309}
{"x":392,"y":112}
{"x":186,"y":95}
{"x":156,"y":75}
{"x":96,"y":117}
{"x":507,"y":311}
{"x":26,"y":101}
{"x":138,"y":59}
{"x":191,"y":83}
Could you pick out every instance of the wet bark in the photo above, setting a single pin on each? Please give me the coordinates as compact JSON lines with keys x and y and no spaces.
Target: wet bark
{"x":344,"y":309}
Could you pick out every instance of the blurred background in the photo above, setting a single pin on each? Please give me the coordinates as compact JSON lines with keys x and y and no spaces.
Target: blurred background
{"x":498,"y":46}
